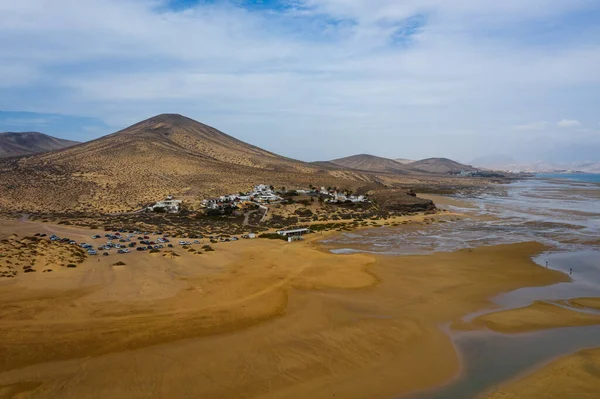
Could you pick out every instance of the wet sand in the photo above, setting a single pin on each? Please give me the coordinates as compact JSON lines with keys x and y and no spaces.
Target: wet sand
{"x":255,"y":318}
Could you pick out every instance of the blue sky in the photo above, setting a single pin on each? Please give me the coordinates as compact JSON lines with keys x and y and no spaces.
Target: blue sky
{"x":314,"y":79}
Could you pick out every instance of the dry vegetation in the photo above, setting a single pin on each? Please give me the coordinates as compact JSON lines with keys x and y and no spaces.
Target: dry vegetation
{"x":31,"y":254}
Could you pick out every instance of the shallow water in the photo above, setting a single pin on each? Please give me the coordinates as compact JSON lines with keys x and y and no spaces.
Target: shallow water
{"x":564,"y":215}
{"x":490,"y":359}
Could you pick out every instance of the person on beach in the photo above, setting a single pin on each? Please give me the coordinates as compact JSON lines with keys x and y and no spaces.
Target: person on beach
{"x":546,"y":264}
{"x":570,"y":271}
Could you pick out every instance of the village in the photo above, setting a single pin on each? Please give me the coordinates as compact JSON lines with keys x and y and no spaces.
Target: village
{"x":193,"y":227}
{"x":260,"y":196}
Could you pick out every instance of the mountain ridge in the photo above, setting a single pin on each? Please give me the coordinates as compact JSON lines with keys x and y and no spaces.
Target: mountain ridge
{"x":15,"y":144}
{"x":373,"y":163}
{"x":441,"y":166}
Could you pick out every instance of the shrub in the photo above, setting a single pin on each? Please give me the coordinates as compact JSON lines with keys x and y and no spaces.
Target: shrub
{"x":119,"y":264}
{"x":71,"y":265}
{"x":154,"y":250}
{"x":273,"y":236}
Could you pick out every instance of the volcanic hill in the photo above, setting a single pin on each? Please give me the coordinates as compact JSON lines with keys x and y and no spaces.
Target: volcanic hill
{"x":13,"y":144}
{"x":372,"y":163}
{"x":440,"y":166}
{"x":166,"y":154}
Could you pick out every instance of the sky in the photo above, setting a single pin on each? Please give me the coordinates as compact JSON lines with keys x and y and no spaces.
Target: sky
{"x":314,"y":79}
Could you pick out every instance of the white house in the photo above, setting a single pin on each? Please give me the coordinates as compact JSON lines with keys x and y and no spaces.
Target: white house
{"x":293,"y":232}
{"x":262,"y":189}
{"x":169,"y":205}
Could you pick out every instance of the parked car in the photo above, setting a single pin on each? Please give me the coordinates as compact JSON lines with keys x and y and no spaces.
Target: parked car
{"x":131,"y":245}
{"x":170,"y":245}
{"x":95,"y":236}
{"x":73,"y":242}
{"x":105,"y":254}
{"x":196,"y":242}
{"x":43,"y":235}
{"x":92,"y":252}
{"x":141,"y":248}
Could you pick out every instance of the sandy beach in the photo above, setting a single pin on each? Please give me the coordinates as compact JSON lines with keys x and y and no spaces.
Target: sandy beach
{"x":255,"y":318}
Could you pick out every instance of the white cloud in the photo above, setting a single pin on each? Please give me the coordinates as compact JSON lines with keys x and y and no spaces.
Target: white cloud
{"x":568,"y":123}
{"x":327,"y":70}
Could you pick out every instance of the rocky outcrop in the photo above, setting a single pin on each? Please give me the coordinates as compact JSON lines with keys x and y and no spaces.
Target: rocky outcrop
{"x":401,"y":201}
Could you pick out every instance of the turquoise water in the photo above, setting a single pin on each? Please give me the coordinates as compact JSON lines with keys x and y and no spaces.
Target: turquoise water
{"x":583,"y":177}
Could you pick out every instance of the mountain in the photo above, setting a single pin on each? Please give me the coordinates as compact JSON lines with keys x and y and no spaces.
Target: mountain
{"x":14,"y":144}
{"x":166,"y":154}
{"x":372,"y":163}
{"x":440,"y":166}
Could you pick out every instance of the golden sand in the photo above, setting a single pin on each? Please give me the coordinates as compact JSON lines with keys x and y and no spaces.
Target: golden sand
{"x":593,"y":303}
{"x":573,"y":376}
{"x":535,"y":317}
{"x":255,"y":318}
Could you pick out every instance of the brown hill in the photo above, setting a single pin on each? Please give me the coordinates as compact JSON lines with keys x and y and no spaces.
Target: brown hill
{"x":440,"y":166}
{"x":166,"y":154}
{"x":13,"y":144}
{"x":372,"y":163}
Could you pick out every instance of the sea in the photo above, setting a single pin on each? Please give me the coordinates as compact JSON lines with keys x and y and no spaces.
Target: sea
{"x":559,"y":210}
{"x":584,"y":177}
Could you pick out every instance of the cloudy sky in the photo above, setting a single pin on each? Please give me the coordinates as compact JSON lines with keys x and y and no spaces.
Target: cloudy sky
{"x":314,"y":79}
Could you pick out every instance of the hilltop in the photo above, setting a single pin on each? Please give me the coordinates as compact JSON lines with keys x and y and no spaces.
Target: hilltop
{"x":372,"y":163}
{"x":13,"y":144}
{"x":441,"y":166}
{"x":166,"y":154}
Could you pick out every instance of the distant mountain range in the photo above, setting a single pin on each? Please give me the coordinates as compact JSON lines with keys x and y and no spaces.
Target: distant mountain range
{"x":441,"y":165}
{"x":371,"y":163}
{"x":509,"y":164}
{"x":13,"y":144}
